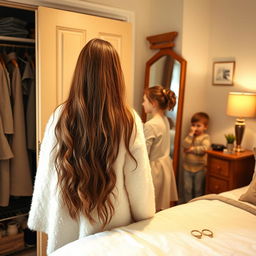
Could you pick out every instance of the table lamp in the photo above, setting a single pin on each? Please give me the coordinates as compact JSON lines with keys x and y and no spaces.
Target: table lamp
{"x":241,"y":105}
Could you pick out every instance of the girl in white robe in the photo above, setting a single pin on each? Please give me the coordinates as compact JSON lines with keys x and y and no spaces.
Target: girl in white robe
{"x":157,"y":135}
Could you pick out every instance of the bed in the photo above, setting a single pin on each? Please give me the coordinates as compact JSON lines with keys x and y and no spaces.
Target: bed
{"x":169,"y":231}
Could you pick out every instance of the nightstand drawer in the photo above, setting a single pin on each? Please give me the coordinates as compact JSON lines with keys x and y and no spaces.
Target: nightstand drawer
{"x":217,"y":186}
{"x":219,"y":167}
{"x":228,"y":171}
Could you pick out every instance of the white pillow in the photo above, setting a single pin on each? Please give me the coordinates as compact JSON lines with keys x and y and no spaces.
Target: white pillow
{"x":254,"y":151}
{"x":250,"y":195}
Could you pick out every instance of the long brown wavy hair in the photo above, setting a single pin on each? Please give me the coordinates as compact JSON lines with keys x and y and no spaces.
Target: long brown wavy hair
{"x":93,"y":121}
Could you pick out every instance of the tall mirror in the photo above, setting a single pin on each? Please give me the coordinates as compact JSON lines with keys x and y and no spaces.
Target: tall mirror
{"x":168,"y":69}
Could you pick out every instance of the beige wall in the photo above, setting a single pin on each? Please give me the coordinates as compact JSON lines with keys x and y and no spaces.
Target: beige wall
{"x":212,"y":31}
{"x":232,"y":36}
{"x":195,"y":49}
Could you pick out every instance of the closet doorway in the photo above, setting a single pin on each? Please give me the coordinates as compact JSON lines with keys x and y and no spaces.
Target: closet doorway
{"x":17,"y":127}
{"x":56,"y":42}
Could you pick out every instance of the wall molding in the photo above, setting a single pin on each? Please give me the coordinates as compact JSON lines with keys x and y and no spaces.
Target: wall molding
{"x":82,"y":7}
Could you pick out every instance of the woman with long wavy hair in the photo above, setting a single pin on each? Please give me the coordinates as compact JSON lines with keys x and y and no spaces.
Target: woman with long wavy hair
{"x":93,"y":172}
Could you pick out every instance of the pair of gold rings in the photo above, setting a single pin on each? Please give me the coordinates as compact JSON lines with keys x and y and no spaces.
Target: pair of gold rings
{"x":198,"y":234}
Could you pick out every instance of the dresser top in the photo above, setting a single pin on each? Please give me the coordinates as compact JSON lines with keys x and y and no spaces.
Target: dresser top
{"x":230,"y":156}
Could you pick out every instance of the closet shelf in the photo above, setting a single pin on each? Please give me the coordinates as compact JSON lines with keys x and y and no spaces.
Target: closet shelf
{"x":14,"y":217}
{"x":17,"y":39}
{"x":17,"y":207}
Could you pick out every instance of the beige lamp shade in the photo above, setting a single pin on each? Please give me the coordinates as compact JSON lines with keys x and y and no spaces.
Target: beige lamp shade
{"x":241,"y":104}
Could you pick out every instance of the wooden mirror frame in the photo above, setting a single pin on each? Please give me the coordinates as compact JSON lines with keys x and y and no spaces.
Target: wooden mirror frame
{"x":164,"y":44}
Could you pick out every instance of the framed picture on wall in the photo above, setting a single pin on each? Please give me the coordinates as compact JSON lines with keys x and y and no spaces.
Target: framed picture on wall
{"x":223,"y":73}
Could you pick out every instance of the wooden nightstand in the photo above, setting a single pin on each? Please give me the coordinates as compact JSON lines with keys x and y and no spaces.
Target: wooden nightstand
{"x":228,"y":171}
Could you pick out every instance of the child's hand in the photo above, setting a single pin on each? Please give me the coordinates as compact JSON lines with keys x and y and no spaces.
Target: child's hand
{"x":188,"y":150}
{"x":192,"y":130}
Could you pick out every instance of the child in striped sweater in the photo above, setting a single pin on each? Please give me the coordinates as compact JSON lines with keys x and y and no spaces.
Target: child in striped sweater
{"x":194,"y":159}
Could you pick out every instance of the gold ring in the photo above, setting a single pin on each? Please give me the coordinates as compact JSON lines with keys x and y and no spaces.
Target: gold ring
{"x":196,"y":233}
{"x":207,"y":232}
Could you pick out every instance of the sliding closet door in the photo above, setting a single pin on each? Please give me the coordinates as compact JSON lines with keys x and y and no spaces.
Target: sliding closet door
{"x":61,"y":36}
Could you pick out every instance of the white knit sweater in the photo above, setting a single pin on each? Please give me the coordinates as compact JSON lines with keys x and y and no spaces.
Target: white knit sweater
{"x":134,"y":191}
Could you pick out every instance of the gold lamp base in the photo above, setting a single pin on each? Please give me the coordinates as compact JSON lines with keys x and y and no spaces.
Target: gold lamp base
{"x":239,"y":149}
{"x":239,"y":133}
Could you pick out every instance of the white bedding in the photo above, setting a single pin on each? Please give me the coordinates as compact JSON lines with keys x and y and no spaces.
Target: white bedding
{"x":168,"y":233}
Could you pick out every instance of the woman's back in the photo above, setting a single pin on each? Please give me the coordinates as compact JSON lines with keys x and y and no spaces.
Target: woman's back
{"x":93,"y":161}
{"x":134,"y":193}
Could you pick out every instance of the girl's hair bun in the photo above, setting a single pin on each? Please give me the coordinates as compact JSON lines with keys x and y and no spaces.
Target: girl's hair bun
{"x":170,"y":97}
{"x":165,"y":98}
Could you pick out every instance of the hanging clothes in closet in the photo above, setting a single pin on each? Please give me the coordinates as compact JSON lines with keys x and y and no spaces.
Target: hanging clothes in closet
{"x":6,"y":129}
{"x":28,"y":83}
{"x":29,"y":92}
{"x":21,"y":183}
{"x":18,"y":162}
